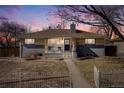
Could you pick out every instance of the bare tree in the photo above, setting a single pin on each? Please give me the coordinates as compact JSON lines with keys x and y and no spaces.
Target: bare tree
{"x":109,"y":18}
{"x":106,"y":31}
{"x":10,"y":30}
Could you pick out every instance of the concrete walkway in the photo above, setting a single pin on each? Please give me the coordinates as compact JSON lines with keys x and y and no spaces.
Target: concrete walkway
{"x":77,"y":80}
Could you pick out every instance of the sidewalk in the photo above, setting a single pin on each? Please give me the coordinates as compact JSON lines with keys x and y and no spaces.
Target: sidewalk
{"x":77,"y":80}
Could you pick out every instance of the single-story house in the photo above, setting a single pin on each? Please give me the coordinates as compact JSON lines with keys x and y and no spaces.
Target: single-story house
{"x":120,"y":46}
{"x":76,"y":42}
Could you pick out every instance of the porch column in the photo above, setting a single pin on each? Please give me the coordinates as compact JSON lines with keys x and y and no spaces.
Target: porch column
{"x":73,"y":48}
{"x":46,"y":45}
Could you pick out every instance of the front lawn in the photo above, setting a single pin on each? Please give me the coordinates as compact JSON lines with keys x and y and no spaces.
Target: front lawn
{"x":108,"y":63}
{"x":31,"y":73}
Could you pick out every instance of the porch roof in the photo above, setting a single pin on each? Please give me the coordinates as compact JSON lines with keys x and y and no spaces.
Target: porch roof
{"x":54,"y":33}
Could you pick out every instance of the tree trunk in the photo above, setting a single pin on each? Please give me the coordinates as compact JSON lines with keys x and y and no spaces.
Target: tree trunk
{"x":116,"y":31}
{"x":7,"y":41}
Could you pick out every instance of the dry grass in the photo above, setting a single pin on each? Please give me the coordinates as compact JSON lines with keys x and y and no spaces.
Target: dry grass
{"x":10,"y":70}
{"x":49,"y":67}
{"x":87,"y":66}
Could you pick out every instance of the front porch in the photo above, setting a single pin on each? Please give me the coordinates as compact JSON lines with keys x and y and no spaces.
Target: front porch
{"x":59,"y":48}
{"x":62,"y":47}
{"x":59,"y":45}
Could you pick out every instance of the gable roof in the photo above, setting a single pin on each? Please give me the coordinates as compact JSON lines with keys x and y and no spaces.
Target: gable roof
{"x":53,"y":33}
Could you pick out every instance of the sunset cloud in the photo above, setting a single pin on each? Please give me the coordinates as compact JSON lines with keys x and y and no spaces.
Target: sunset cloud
{"x":36,"y":17}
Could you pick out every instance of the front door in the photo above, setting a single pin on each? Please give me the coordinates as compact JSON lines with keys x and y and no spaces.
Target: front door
{"x":66,"y":44}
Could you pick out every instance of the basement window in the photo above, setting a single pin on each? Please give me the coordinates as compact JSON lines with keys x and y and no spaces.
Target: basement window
{"x":89,"y":41}
{"x":29,"y":41}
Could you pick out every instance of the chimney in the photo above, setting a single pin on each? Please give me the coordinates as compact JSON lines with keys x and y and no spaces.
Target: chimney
{"x":73,"y":28}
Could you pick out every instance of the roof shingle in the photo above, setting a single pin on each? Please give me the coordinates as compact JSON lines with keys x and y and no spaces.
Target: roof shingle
{"x":53,"y":33}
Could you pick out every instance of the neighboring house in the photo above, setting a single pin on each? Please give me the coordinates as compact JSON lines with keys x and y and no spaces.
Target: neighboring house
{"x":76,"y":42}
{"x":120,"y":46}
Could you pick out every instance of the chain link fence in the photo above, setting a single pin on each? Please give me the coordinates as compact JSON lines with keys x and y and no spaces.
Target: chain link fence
{"x":35,"y":80}
{"x":109,"y":79}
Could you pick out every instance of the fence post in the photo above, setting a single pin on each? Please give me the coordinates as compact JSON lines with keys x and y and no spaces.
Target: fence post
{"x":70,"y":77}
{"x":96,"y":76}
{"x":100,"y":79}
{"x":20,"y":50}
{"x":19,"y":78}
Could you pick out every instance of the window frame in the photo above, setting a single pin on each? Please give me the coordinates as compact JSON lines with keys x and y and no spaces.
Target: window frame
{"x":67,"y":42}
{"x":87,"y":42}
{"x":30,"y":41}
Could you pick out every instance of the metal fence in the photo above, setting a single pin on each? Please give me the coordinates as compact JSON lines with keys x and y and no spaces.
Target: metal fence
{"x":112,"y":79}
{"x":109,"y":79}
{"x":34,"y":80}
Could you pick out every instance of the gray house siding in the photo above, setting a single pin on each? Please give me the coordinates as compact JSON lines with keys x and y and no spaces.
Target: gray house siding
{"x":120,"y":48}
{"x":27,"y":49}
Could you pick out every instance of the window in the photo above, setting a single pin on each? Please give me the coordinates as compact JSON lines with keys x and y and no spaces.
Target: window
{"x":89,"y":41}
{"x":67,"y":42}
{"x":29,"y":41}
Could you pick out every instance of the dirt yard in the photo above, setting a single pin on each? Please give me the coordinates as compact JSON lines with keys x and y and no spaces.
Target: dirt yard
{"x":35,"y":71}
{"x":86,"y":66}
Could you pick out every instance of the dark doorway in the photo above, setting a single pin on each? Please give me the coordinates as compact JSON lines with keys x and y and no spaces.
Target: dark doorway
{"x":66,"y":44}
{"x":110,"y":50}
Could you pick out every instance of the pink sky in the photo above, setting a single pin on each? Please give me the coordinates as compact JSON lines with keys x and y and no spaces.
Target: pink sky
{"x":35,"y":17}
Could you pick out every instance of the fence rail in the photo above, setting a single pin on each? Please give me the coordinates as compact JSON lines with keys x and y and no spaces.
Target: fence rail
{"x":35,"y":80}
